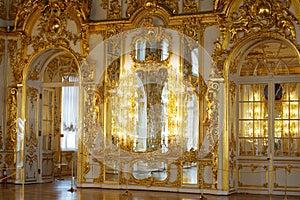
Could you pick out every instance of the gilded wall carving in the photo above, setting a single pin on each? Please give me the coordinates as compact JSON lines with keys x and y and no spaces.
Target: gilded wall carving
{"x":232,"y":140}
{"x":2,"y":46}
{"x":257,"y":16}
{"x":132,"y":6}
{"x":2,"y":9}
{"x":8,"y":9}
{"x":12,"y":119}
{"x":220,"y":5}
{"x":52,"y":28}
{"x":16,"y":60}
{"x":190,"y":6}
{"x":81,"y":8}
{"x":90,"y":127}
{"x":253,"y":17}
{"x":1,"y":139}
{"x":113,"y":7}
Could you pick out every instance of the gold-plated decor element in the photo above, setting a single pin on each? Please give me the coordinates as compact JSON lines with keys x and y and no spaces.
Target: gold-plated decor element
{"x":16,"y":58}
{"x":8,"y":9}
{"x":232,"y":140}
{"x":113,"y":74}
{"x":58,"y":69}
{"x":151,"y":6}
{"x":220,"y":5}
{"x":219,"y":57}
{"x":3,"y":9}
{"x":100,"y":178}
{"x":12,"y":120}
{"x":202,"y":163}
{"x":33,"y":95}
{"x":1,"y":139}
{"x":84,"y":38}
{"x":256,"y":170}
{"x":89,"y":126}
{"x":156,"y":45}
{"x":191,"y":28}
{"x":256,"y":16}
{"x":212,"y":93}
{"x":78,"y":7}
{"x":191,"y":6}
{"x":9,"y":160}
{"x":2,"y":46}
{"x":115,"y":9}
{"x":52,"y":28}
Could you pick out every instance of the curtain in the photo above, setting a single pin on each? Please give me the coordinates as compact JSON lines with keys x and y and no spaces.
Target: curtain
{"x":69,"y":117}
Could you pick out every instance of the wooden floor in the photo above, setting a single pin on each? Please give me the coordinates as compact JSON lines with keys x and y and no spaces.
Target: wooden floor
{"x":58,"y":190}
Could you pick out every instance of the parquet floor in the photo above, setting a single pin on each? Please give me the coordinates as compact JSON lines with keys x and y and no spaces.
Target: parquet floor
{"x":58,"y":190}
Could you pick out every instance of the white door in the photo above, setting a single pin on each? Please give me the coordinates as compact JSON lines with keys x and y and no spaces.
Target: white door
{"x":46,"y":169}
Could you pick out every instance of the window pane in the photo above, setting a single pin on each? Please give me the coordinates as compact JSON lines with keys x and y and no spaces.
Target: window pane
{"x":287,"y":122}
{"x":253,"y":120}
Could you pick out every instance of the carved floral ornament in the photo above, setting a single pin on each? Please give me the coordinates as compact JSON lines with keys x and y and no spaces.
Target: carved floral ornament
{"x":254,"y":16}
{"x":114,"y":8}
{"x":53,"y":27}
{"x":27,"y":7}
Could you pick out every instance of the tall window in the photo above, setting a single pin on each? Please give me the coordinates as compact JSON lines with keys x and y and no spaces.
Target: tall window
{"x":69,"y":117}
{"x":269,"y":111}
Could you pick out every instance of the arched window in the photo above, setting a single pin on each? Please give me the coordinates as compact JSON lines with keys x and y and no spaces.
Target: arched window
{"x":269,"y":101}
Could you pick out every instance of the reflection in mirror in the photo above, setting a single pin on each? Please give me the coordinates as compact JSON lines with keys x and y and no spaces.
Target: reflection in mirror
{"x":151,"y":49}
{"x":155,"y":169}
{"x":191,"y":137}
{"x":195,"y":64}
{"x":189,"y":173}
{"x":111,"y":171}
{"x":165,"y":49}
{"x":140,"y":47}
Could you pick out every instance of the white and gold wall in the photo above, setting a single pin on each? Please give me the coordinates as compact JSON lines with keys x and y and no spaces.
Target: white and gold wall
{"x":174,"y":95}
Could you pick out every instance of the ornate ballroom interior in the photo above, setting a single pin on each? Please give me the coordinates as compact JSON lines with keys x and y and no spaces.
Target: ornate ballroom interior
{"x":197,"y":96}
